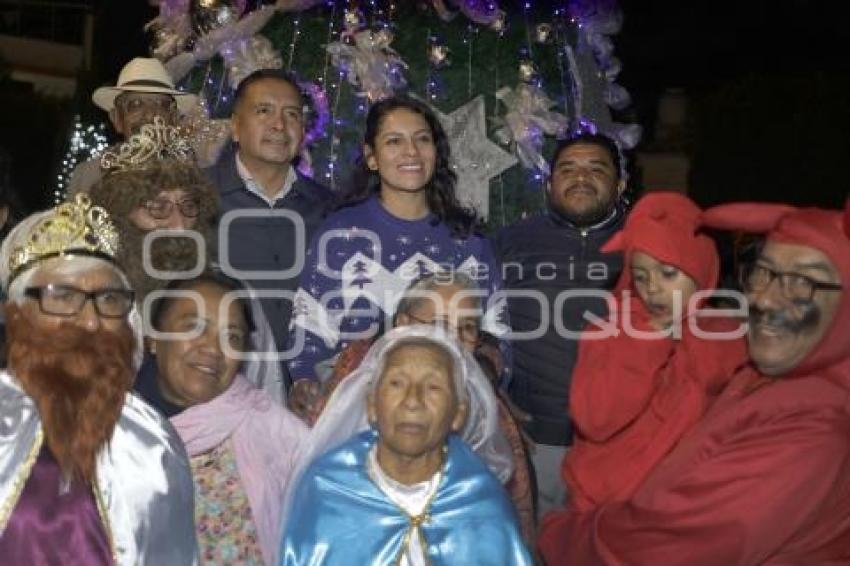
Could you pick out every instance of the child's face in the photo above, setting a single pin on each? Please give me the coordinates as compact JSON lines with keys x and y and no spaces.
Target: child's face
{"x":663,"y":288}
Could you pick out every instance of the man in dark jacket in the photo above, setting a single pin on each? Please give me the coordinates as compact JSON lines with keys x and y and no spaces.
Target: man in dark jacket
{"x":269,"y":210}
{"x":555,"y":256}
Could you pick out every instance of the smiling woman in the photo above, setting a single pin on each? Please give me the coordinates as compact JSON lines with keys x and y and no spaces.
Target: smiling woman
{"x":240,"y":442}
{"x":406,"y":164}
{"x":400,"y":221}
{"x":196,"y":368}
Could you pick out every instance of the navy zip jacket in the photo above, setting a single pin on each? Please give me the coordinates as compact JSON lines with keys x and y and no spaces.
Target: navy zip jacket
{"x":267,"y":243}
{"x":547,"y":254}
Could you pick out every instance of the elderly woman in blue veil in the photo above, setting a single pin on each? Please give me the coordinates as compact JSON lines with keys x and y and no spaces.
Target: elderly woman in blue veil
{"x":402,"y":465}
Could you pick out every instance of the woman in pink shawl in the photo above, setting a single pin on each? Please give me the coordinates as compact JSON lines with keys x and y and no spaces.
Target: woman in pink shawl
{"x":241,"y":443}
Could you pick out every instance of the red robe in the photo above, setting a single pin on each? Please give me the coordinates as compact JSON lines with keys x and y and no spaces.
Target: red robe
{"x":632,"y":399}
{"x":763,"y":479}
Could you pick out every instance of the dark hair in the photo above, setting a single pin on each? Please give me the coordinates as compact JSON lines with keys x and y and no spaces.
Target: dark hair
{"x":600,"y":140}
{"x":442,"y":200}
{"x":261,"y":74}
{"x":309,"y":115}
{"x":485,"y":362}
{"x":162,"y":304}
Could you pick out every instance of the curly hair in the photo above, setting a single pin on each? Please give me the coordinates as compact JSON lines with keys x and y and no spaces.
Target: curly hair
{"x":442,"y":200}
{"x":121,"y":192}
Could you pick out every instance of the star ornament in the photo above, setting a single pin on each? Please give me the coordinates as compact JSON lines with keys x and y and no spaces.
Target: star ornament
{"x":475,"y":159}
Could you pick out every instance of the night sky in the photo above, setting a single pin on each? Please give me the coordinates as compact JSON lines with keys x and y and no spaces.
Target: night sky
{"x":770,"y":51}
{"x":703,"y":44}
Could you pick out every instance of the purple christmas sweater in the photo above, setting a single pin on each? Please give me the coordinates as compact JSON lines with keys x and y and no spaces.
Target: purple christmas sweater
{"x":357,"y":267}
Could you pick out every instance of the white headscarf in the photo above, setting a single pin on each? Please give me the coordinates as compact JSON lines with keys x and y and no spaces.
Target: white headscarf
{"x":262,"y":367}
{"x":345,"y":413}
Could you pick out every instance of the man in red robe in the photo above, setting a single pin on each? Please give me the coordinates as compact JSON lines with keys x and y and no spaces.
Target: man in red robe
{"x":764,"y":478}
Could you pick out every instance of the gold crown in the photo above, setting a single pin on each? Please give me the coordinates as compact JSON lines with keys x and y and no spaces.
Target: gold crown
{"x":153,"y":142}
{"x":75,"y":226}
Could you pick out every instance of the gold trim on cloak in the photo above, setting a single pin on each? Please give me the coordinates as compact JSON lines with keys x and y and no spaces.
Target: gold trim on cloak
{"x":21,"y":480}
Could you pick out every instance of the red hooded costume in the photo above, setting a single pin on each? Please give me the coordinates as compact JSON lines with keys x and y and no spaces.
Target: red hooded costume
{"x":632,"y":398}
{"x":764,"y":477}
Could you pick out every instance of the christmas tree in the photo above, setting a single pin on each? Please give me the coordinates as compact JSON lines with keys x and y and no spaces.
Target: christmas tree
{"x":506,"y":78}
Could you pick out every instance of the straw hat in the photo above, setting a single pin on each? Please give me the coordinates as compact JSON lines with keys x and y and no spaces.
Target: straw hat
{"x":143,"y":75}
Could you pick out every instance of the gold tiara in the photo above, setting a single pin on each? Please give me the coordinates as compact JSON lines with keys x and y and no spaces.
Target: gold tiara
{"x":74,"y":227}
{"x":154,"y":141}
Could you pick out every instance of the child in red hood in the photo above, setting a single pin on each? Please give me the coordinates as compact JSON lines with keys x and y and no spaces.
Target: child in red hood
{"x":633,"y":396}
{"x":764,"y":477}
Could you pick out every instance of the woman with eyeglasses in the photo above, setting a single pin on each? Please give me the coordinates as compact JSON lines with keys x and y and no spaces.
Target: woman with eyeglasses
{"x":156,"y":193}
{"x":155,"y":184}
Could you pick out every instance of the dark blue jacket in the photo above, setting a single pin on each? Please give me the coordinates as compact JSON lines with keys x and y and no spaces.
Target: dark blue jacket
{"x":267,"y":243}
{"x":546,"y":253}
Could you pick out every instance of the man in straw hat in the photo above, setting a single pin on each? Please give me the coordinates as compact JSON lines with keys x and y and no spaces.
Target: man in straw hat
{"x":89,"y":474}
{"x":764,"y":478}
{"x":144,"y":91}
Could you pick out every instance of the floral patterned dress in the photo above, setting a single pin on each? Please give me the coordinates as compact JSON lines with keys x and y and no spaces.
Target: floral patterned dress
{"x":223,"y":520}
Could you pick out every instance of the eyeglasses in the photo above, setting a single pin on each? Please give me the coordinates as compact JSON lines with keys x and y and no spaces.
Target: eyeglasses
{"x":162,"y":208}
{"x":63,"y":300}
{"x":467,"y":330}
{"x":136,"y":104}
{"x":795,"y":286}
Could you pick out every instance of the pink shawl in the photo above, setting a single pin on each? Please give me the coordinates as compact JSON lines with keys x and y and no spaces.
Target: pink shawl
{"x":266,"y":440}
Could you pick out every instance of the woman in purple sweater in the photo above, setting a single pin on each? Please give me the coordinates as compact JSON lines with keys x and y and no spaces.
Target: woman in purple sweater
{"x":400,"y":221}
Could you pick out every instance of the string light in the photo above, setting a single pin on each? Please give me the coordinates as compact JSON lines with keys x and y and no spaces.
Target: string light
{"x":333,"y":139}
{"x":86,"y":142}
{"x":526,"y":8}
{"x":296,"y":34}
{"x":499,"y":179}
{"x":332,"y":157}
{"x":373,"y":12}
{"x":469,"y":32}
{"x":219,"y":96}
{"x":431,"y":78}
{"x":561,"y":46}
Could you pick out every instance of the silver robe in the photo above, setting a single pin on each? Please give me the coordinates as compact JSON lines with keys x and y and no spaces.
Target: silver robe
{"x":144,"y":486}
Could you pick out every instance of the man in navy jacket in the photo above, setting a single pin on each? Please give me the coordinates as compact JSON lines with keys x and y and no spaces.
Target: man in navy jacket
{"x":269,"y":210}
{"x":556,"y":254}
